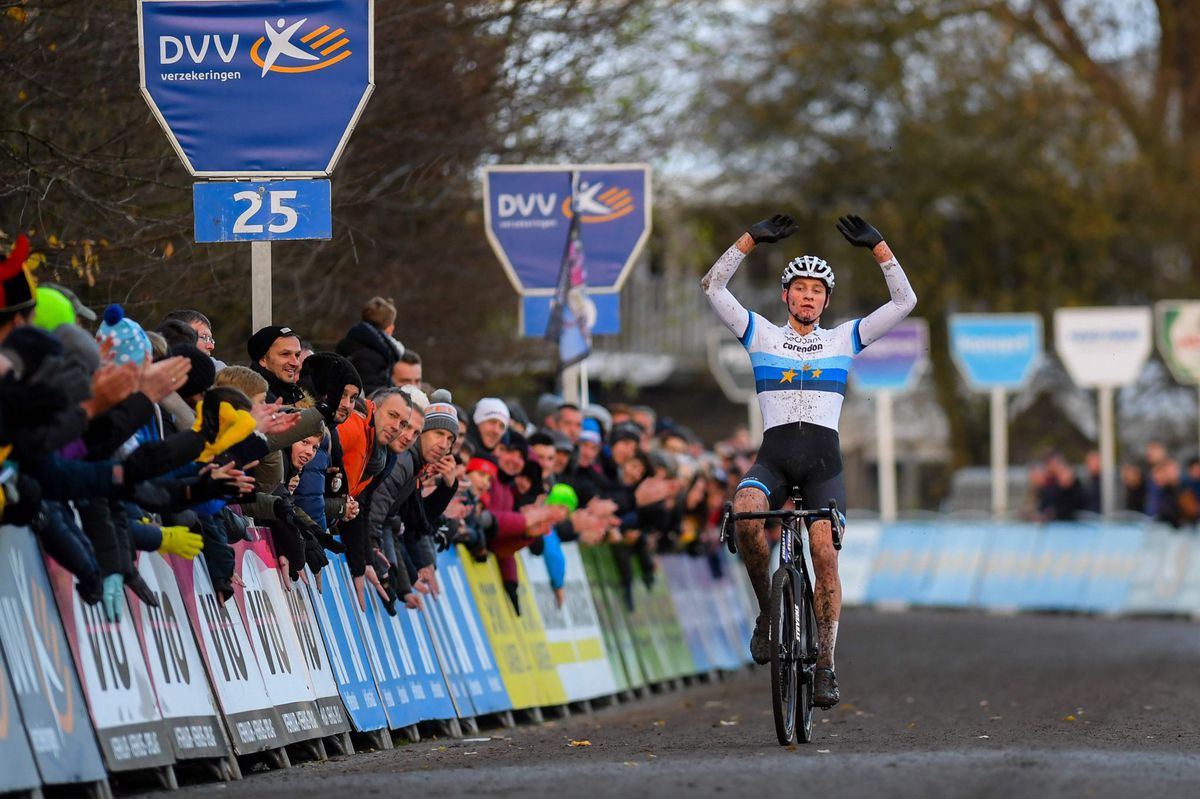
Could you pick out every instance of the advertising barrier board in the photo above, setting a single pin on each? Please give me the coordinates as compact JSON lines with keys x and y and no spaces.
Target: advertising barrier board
{"x":184,"y":697}
{"x":116,"y":682}
{"x":40,"y":666}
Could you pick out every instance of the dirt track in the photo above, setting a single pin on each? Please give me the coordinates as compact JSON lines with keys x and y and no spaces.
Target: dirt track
{"x":934,"y":704}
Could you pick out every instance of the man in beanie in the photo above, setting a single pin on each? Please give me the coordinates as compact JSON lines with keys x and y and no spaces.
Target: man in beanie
{"x":18,"y":296}
{"x":275,"y":354}
{"x":491,"y":420}
{"x":334,"y":383}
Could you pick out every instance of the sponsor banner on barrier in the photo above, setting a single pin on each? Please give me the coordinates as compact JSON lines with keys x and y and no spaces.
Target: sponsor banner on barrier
{"x":346,"y":647}
{"x":465,"y":629}
{"x":453,"y":659}
{"x":572,"y":630}
{"x":252,"y":721}
{"x":1114,"y":565}
{"x":855,"y":559}
{"x":1008,"y":567}
{"x":612,"y":645}
{"x":413,"y":689}
{"x":668,"y":630}
{"x":187,"y":705}
{"x":425,"y":674}
{"x":19,"y":772}
{"x":651,"y":651}
{"x":273,"y":639}
{"x":677,"y":571}
{"x":1060,"y":566}
{"x":40,"y":666}
{"x":330,"y":711}
{"x":957,"y":561}
{"x":532,"y":632}
{"x":903,"y":561}
{"x":515,"y":664}
{"x":1163,"y":569}
{"x":618,"y":600}
{"x":115,"y":679}
{"x":718,"y":624}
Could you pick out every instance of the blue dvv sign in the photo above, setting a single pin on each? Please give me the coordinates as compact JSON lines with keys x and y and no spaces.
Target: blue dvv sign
{"x":257,"y":88}
{"x":996,"y":350}
{"x":276,"y":210}
{"x":528,"y":214}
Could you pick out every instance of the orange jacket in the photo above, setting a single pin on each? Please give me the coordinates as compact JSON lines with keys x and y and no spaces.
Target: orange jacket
{"x":357,"y":436}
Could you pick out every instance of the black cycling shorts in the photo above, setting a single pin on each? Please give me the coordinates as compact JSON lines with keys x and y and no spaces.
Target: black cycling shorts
{"x":807,"y":456}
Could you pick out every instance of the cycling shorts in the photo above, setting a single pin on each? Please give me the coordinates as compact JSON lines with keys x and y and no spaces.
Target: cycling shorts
{"x":807,"y":456}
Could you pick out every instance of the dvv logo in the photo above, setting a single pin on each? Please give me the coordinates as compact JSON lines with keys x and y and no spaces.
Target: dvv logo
{"x":599,"y":204}
{"x":598,"y":201}
{"x":321,"y":45}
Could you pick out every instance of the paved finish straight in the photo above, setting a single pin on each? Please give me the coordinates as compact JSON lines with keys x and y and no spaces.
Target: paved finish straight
{"x":934,"y":704}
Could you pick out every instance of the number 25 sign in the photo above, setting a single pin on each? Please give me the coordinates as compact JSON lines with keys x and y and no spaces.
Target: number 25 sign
{"x":275,"y":210}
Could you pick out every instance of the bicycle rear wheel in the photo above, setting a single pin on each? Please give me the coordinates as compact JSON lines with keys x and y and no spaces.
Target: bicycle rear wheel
{"x":785,"y":676}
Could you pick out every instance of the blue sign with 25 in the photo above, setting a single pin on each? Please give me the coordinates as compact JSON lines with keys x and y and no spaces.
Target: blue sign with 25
{"x":276,"y":210}
{"x":257,"y":88}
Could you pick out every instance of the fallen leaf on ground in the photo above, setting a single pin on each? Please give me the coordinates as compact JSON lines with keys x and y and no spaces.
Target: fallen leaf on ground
{"x":725,"y":723}
{"x":580,"y":743}
{"x":1068,"y":718}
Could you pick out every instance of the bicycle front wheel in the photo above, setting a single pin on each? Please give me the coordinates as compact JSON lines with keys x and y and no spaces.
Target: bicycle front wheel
{"x":785,"y":653}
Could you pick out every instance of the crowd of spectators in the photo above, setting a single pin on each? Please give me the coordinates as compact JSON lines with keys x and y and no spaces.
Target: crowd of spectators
{"x":1156,"y":486}
{"x":118,"y":438}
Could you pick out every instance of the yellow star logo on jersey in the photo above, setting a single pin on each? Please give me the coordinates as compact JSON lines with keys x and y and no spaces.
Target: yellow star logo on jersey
{"x":787,"y":376}
{"x":816,"y":373}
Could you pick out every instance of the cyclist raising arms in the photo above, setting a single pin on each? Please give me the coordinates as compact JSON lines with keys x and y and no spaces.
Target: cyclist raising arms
{"x":800,"y":370}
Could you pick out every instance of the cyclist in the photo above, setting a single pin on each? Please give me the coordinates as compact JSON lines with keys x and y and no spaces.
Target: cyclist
{"x":800,"y":370}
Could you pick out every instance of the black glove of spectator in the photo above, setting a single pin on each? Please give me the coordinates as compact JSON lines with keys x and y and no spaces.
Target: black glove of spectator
{"x":23,"y":499}
{"x":135,"y":583}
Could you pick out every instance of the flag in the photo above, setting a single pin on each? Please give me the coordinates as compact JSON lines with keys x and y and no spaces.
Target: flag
{"x":571,"y":312}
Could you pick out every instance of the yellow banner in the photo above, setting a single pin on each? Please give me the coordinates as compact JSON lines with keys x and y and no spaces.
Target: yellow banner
{"x":526,"y":668}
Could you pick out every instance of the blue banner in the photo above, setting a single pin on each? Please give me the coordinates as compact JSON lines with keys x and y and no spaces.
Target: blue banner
{"x":41,"y":668}
{"x":528,"y":217}
{"x":996,"y":350}
{"x":475,"y":651}
{"x":894,"y":362}
{"x":346,"y":648}
{"x":425,"y":676}
{"x":277,"y":210}
{"x":257,"y":87}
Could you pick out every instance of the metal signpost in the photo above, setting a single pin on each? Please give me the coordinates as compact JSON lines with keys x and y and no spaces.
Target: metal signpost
{"x":265,"y":91}
{"x":1178,"y":338}
{"x":997,"y":353}
{"x":891,"y":364}
{"x":1104,"y":349}
{"x":527,"y":215}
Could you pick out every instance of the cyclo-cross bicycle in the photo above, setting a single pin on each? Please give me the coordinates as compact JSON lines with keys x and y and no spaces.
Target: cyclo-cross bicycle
{"x":793,"y":631}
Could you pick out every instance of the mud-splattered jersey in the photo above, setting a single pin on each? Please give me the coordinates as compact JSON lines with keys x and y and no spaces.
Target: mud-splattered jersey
{"x":802,"y":379}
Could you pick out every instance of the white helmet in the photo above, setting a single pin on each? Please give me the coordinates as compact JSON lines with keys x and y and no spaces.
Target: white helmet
{"x":808,"y":266}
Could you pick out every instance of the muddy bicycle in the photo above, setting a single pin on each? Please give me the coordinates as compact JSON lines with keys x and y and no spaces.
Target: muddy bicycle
{"x":793,"y":630}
